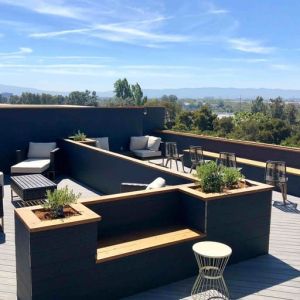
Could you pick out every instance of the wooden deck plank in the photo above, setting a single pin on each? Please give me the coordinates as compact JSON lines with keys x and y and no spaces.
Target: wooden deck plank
{"x":269,"y":277}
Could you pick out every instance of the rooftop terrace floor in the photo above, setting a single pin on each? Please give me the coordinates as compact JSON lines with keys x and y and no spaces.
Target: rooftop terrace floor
{"x":273,"y":276}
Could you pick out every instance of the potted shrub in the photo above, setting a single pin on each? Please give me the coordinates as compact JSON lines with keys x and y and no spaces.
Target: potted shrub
{"x":58,"y":204}
{"x":78,"y":136}
{"x":215,"y":179}
{"x":81,"y":137}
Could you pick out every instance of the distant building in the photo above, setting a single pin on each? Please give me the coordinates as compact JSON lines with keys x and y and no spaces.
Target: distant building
{"x":6,"y":95}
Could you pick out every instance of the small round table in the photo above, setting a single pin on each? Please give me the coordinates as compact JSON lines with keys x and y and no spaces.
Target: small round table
{"x":212,"y":258}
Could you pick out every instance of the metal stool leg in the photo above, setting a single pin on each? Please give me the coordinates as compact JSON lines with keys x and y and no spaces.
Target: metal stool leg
{"x":283,"y":189}
{"x":176,"y":161}
{"x":181,"y":159}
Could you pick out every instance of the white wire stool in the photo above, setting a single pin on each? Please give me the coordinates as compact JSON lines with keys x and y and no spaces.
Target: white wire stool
{"x":212,"y":258}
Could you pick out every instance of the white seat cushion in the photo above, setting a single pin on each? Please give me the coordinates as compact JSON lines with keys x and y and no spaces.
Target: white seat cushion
{"x":1,"y":179}
{"x":146,"y":153}
{"x":40,"y":150}
{"x":157,"y":183}
{"x":102,"y":143}
{"x":2,"y":182}
{"x":153,"y":143}
{"x":138,"y":143}
{"x":31,"y":166}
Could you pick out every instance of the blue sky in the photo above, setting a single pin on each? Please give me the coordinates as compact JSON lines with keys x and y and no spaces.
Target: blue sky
{"x":83,"y":44}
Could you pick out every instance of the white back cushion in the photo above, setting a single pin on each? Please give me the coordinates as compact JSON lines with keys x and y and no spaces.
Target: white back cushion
{"x":138,"y":142}
{"x":157,"y":183}
{"x":153,"y":143}
{"x":102,"y":143}
{"x":40,"y":150}
{"x":2,"y":183}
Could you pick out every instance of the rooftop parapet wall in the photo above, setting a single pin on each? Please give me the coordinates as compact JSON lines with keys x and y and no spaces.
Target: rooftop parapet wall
{"x":245,"y":149}
{"x":20,"y":124}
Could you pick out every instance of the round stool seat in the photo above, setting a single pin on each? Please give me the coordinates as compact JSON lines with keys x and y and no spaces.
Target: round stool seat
{"x":211,"y":258}
{"x":212,"y":249}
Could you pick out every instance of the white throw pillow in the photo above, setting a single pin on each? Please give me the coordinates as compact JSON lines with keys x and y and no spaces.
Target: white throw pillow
{"x":102,"y":143}
{"x":138,"y":142}
{"x":157,"y":183}
{"x":40,"y":150}
{"x":153,"y":143}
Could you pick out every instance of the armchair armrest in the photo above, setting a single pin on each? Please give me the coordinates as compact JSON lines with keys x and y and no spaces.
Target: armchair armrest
{"x":20,"y":155}
{"x":131,"y":187}
{"x":53,"y":159}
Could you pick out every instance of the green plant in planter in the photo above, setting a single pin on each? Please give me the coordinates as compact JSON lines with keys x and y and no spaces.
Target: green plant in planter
{"x":58,"y":199}
{"x":231,"y":177}
{"x":79,"y":136}
{"x":210,"y":177}
{"x":213,"y":178}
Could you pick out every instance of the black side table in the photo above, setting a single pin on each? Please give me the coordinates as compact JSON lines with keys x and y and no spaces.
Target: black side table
{"x":31,"y":187}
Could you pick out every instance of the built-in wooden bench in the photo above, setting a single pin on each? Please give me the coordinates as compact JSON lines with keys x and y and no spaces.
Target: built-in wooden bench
{"x":250,"y":162}
{"x":128,"y":245}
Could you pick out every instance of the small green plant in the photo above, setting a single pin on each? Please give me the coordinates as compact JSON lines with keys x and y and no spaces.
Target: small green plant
{"x":210,"y":177}
{"x":79,"y":136}
{"x":214,"y":178}
{"x":231,"y":177}
{"x":58,"y":199}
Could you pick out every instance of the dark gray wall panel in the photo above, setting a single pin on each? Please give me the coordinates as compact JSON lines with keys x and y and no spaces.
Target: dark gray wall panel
{"x":242,"y":222}
{"x":292,"y":158}
{"x":20,"y":125}
{"x":105,"y":172}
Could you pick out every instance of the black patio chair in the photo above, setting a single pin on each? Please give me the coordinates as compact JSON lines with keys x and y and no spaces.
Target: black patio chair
{"x":275,"y":174}
{"x":171,"y":153}
{"x":227,"y":159}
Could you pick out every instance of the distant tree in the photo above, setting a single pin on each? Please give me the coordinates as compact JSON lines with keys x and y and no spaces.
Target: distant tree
{"x":122,"y":89}
{"x":277,"y":108}
{"x":223,"y":126}
{"x":204,"y":118}
{"x":137,"y":95}
{"x":291,"y":113}
{"x":258,"y":105}
{"x":82,"y":98}
{"x":184,"y":121}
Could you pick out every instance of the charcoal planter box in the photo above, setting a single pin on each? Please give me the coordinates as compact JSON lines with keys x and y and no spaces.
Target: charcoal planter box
{"x":53,"y":256}
{"x":240,"y":218}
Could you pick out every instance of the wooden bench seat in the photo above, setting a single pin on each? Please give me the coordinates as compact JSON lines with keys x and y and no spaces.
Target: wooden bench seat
{"x":118,"y":247}
{"x":250,"y":162}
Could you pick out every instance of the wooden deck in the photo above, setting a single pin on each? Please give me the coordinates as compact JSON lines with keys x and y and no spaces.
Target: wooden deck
{"x":274,"y":276}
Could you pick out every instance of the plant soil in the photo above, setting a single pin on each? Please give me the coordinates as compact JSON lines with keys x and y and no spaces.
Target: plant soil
{"x":45,"y":214}
{"x":240,"y":185}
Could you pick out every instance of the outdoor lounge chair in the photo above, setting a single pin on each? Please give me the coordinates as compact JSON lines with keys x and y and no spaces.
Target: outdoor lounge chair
{"x":40,"y":159}
{"x":145,"y":146}
{"x":102,"y":143}
{"x":1,"y":200}
{"x":130,"y":187}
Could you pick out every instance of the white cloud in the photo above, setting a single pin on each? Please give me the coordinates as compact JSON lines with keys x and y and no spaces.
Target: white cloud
{"x":118,"y":33}
{"x":54,"y":7}
{"x":282,"y":67}
{"x":242,"y":60}
{"x":251,"y":46}
{"x":218,"y":11}
{"x":22,"y":51}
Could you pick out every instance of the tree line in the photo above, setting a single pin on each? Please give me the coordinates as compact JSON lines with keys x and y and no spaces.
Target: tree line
{"x":272,"y":121}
